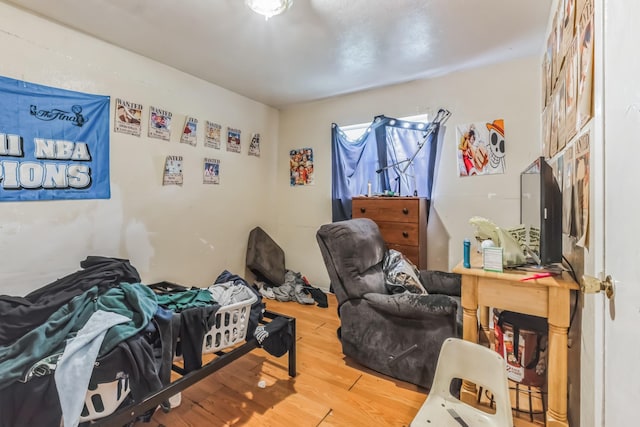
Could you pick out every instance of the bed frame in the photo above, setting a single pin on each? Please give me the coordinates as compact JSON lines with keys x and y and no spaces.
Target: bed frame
{"x":127,"y":415}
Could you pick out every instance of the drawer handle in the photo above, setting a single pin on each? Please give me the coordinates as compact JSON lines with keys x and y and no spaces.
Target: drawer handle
{"x":363,"y":210}
{"x":405,"y":234}
{"x":405,"y":211}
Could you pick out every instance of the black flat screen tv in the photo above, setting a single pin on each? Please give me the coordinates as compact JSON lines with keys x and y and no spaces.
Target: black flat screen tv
{"x":541,"y":208}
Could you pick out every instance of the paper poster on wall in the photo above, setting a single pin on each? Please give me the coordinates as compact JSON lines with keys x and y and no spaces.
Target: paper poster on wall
{"x":557,"y":166}
{"x":211,"y":174}
{"x":584,"y":11}
{"x":580,"y":4}
{"x":128,"y":117}
{"x":54,"y":143}
{"x":551,"y":54}
{"x":546,"y":130}
{"x":557,"y":42}
{"x":545,"y":82}
{"x":481,"y":148}
{"x":172,"y":171}
{"x":190,"y":131}
{"x":571,"y":90}
{"x":567,"y":191}
{"x":233,"y":140}
{"x":212,"y":135}
{"x":581,"y":191}
{"x":301,"y":167}
{"x":569,"y":17}
{"x":159,"y":123}
{"x":254,"y":146}
{"x":561,"y":36}
{"x":555,"y":107}
{"x":562,"y":112}
{"x":585,"y":81}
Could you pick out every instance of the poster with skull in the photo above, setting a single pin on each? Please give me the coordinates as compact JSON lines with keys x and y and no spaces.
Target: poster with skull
{"x":481,"y":148}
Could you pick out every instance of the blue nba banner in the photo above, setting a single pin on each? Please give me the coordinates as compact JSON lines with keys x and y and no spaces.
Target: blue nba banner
{"x":54,"y":143}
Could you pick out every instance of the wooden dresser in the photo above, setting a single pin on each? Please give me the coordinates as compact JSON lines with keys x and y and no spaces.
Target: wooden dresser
{"x":402,"y":222}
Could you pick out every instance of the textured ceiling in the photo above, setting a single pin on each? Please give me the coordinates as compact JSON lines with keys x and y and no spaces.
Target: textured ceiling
{"x":318,"y":48}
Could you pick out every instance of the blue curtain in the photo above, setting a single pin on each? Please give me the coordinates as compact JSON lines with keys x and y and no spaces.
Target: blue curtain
{"x":392,"y":155}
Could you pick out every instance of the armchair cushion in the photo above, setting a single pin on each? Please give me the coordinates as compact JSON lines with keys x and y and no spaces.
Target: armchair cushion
{"x":403,"y":347}
{"x":265,"y":258}
{"x":441,"y":282}
{"x":353,"y":251}
{"x":412,"y":306}
{"x":358,"y":246}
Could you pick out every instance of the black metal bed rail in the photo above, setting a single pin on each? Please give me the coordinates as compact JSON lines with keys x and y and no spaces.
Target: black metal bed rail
{"x":127,"y":415}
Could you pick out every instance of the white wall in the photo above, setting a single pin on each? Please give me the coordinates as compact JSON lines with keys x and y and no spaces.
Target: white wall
{"x":188,"y":234}
{"x":509,"y":90}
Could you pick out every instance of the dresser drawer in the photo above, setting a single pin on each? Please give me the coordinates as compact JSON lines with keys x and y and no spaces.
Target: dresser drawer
{"x":386,"y":209}
{"x":399,"y":233}
{"x":402,"y":222}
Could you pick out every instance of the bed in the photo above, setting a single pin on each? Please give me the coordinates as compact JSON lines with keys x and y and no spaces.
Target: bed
{"x":129,"y":378}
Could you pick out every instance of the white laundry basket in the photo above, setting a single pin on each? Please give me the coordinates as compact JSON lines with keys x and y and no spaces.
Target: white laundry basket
{"x":105,"y":398}
{"x":230,"y":327}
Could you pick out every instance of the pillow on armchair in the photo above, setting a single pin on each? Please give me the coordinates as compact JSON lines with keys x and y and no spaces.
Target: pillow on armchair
{"x":400,"y":275}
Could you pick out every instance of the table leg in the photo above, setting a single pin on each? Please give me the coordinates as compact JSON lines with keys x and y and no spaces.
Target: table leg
{"x":469,"y":328}
{"x":485,"y":332}
{"x":559,"y":303}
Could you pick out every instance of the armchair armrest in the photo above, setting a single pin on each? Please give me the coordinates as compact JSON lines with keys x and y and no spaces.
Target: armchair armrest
{"x":441,"y":282}
{"x":412,"y":306}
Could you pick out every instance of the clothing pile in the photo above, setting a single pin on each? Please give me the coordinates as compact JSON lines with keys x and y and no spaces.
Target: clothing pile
{"x":100,"y":325}
{"x":41,"y":375}
{"x":296,"y":288}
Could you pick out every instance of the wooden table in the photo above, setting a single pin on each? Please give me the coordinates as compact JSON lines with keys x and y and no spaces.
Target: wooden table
{"x":548,"y":297}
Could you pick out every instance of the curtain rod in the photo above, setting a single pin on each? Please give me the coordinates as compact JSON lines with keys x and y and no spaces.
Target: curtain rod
{"x":442,"y":116}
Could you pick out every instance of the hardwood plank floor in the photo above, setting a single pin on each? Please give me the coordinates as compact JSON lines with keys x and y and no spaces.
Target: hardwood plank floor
{"x":329,"y":389}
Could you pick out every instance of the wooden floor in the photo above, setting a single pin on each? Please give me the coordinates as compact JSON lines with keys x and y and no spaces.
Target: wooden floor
{"x":329,"y":390}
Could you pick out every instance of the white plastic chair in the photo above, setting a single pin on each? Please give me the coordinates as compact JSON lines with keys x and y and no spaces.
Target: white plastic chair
{"x":477,"y":364}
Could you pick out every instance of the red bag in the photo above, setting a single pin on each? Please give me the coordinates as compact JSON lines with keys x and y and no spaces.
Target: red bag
{"x":522,"y":341}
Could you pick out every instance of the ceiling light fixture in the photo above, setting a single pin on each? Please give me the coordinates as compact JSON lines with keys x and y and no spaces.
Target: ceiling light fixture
{"x":269,"y":8}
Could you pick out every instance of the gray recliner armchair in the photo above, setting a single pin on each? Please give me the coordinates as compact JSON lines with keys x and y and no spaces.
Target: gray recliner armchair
{"x":399,"y":335}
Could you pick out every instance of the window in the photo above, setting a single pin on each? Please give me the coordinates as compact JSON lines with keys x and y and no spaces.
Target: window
{"x":385,"y":155}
